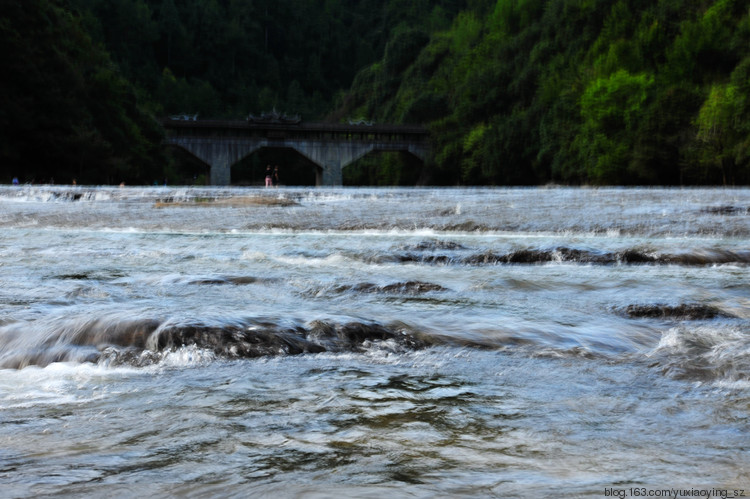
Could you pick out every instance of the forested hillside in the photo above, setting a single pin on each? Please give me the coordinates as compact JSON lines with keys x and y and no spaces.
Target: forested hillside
{"x":513,"y":91}
{"x":574,"y":91}
{"x":228,"y":58}
{"x":66,"y":112}
{"x":84,"y":80}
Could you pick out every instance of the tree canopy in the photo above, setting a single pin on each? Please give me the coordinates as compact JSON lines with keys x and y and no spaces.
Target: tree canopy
{"x":514,"y":92}
{"x":577,"y":91}
{"x":66,"y":112}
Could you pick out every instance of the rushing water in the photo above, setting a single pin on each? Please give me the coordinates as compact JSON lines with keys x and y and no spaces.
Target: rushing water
{"x":364,"y":342}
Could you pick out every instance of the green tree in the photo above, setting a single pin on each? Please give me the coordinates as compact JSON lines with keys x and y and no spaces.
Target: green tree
{"x":611,"y":108}
{"x":722,"y":136}
{"x":65,"y":112}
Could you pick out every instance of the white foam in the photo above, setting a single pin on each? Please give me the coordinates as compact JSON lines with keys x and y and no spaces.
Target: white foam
{"x":334,"y":260}
{"x":733,"y":385}
{"x":59,"y":383}
{"x":187,"y":356}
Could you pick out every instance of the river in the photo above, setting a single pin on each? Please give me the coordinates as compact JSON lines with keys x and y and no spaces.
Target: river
{"x":351,"y":342}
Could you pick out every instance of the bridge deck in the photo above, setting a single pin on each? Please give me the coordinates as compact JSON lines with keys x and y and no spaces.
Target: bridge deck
{"x":297,"y":130}
{"x":302,"y":126}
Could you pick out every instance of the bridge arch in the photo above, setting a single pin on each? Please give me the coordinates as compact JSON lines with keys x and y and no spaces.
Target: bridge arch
{"x":330,"y":146}
{"x":294,"y":167}
{"x":188,"y":168}
{"x":386,"y":168}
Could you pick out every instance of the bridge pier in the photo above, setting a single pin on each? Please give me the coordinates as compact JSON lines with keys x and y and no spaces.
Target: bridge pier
{"x":330,"y":157}
{"x":332,"y":175}
{"x":221,"y":170}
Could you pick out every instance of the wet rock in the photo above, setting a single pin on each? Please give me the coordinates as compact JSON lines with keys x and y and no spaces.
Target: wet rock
{"x":356,"y":336}
{"x":242,"y":280}
{"x":434,"y":245}
{"x":529,"y":256}
{"x":584,"y":256}
{"x":408,"y":287}
{"x":238,"y":280}
{"x":690,"y":312}
{"x":364,"y":287}
{"x":412,"y":287}
{"x":259,"y":340}
{"x":536,"y":256}
{"x":358,"y":332}
{"x":635,"y":256}
{"x":133,"y":333}
{"x":146,"y":342}
{"x":486,"y":258}
{"x":234,"y":202}
{"x":467,"y":226}
{"x":209,"y":280}
{"x":128,"y":357}
{"x":438,"y":259}
{"x":725,"y":210}
{"x":426,"y":259}
{"x":239,"y":341}
{"x":707,"y":257}
{"x":74,"y":277}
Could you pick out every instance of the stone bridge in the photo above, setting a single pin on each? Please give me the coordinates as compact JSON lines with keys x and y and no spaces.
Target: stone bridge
{"x":330,"y":146}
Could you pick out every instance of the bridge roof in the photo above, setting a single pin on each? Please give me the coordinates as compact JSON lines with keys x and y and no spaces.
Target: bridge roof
{"x":302,"y":126}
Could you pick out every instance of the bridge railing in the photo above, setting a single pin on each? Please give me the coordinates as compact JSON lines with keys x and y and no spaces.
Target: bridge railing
{"x":320,"y":131}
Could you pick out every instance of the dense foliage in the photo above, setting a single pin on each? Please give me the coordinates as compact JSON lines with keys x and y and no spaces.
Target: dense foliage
{"x":228,"y":58}
{"x":574,"y":91}
{"x":65,"y":110}
{"x":513,"y":91}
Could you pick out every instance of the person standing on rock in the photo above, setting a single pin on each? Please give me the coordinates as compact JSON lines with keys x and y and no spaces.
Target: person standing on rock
{"x":269,"y":176}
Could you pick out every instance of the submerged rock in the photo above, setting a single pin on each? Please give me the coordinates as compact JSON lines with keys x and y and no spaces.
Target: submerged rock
{"x":532,"y":256}
{"x":407,"y":287}
{"x":238,"y":341}
{"x":635,"y":256}
{"x":425,"y":259}
{"x":690,"y":312}
{"x":726,"y":210}
{"x":412,"y":287}
{"x":431,"y":245}
{"x":238,"y":280}
{"x":147,"y":341}
{"x":233,"y":202}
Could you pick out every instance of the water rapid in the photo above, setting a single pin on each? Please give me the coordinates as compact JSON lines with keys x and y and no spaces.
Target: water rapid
{"x":359,"y":342}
